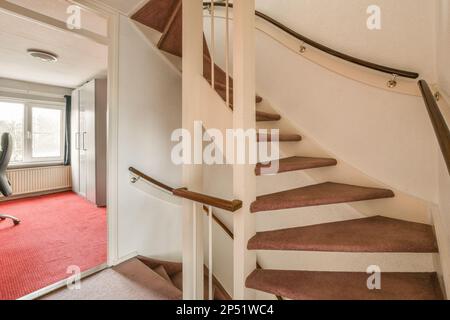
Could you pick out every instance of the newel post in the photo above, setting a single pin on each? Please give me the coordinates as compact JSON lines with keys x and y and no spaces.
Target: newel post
{"x":244,"y":118}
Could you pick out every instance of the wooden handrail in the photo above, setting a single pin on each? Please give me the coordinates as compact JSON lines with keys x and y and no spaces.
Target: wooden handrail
{"x":306,"y":40}
{"x":438,"y":121}
{"x":227,"y":205}
{"x":151,"y":180}
{"x":231,"y":206}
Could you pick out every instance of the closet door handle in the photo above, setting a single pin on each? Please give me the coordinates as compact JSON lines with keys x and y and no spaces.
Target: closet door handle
{"x":84,"y":141}
{"x":77,"y":141}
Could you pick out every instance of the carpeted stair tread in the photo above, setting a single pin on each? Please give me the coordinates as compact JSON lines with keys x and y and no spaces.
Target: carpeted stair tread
{"x":297,"y":163}
{"x":306,"y":285}
{"x":156,"y":13}
{"x":220,"y":80}
{"x":161,"y":271}
{"x":170,"y":267}
{"x":177,"y":280}
{"x":171,"y":40}
{"x":374,"y":234}
{"x":265,"y":116}
{"x":315,"y":195}
{"x":283,"y":137}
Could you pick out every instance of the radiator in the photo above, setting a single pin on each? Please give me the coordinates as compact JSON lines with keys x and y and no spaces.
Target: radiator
{"x":39,"y":180}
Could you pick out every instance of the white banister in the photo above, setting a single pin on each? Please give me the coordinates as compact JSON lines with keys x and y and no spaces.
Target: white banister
{"x":227,"y":52}
{"x":193,"y":263}
{"x":244,"y":180}
{"x":210,"y":254}
{"x":213,"y":45}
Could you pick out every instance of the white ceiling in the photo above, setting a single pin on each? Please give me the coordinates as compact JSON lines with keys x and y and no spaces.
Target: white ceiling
{"x":124,"y":6}
{"x":57,"y":9}
{"x":80,"y":59}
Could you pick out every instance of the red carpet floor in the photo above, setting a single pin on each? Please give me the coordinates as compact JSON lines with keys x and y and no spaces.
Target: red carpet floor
{"x":57,"y":231}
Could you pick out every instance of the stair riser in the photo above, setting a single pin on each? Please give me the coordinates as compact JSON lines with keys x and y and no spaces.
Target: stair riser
{"x":268,"y":184}
{"x":346,"y":262}
{"x":301,"y":217}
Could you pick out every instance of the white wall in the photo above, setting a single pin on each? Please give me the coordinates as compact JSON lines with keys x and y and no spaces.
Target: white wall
{"x":443,"y":45}
{"x":149,"y":110}
{"x":405,"y":40}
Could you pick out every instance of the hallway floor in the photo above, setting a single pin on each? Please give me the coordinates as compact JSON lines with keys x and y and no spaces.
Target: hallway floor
{"x":57,"y":231}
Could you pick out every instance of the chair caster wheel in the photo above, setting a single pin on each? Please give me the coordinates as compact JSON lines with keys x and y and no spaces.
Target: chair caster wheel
{"x":16,"y":223}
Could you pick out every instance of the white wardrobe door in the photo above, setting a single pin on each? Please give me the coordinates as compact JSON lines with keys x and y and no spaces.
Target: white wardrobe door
{"x":75,"y":141}
{"x":91,"y":191}
{"x":84,"y":103}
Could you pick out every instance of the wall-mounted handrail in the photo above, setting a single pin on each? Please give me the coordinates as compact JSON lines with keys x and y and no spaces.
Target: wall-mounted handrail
{"x":328,"y":50}
{"x":438,"y":121}
{"x":227,"y":205}
{"x":184,"y":193}
{"x":151,"y":180}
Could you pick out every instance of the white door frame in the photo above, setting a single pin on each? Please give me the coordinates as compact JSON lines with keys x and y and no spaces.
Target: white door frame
{"x":113,"y":114}
{"x":112,"y":135}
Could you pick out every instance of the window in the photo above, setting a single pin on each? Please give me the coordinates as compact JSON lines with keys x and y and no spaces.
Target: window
{"x":37,"y":130}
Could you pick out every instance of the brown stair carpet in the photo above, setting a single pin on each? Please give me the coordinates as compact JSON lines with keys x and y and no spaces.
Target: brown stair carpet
{"x":220,"y":80}
{"x":156,"y":13}
{"x":265,"y":116}
{"x":283,"y":137}
{"x":170,"y":267}
{"x":161,"y":271}
{"x":315,"y":195}
{"x":375,"y":234}
{"x":131,"y":280}
{"x":171,"y":40}
{"x":302,"y":285}
{"x":175,"y":272}
{"x":297,"y":163}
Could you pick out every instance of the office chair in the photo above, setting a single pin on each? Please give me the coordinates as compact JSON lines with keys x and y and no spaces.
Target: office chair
{"x":6,"y":149}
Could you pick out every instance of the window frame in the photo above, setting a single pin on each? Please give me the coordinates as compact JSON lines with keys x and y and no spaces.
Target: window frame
{"x":28,"y":160}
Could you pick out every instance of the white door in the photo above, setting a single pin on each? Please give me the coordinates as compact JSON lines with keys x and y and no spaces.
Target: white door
{"x":75,"y":141}
{"x":83,"y":150}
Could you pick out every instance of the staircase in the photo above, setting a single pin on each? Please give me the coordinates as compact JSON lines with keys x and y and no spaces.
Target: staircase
{"x":172,"y":273}
{"x":369,"y":235}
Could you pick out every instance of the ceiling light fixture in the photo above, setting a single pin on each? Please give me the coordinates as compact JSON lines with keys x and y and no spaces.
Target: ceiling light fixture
{"x":43,"y":55}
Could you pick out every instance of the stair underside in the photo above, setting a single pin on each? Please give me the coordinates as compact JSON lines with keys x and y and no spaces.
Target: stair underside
{"x":174,"y":271}
{"x":321,"y":194}
{"x":375,"y":234}
{"x":156,"y":13}
{"x":303,"y":285}
{"x":283,"y":137}
{"x":172,"y":38}
{"x":297,"y":163}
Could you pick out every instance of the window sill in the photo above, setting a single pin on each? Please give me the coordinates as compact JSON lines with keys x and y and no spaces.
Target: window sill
{"x":35,"y":165}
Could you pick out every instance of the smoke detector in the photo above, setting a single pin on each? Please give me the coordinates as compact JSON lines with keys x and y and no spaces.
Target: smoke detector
{"x":44,"y":56}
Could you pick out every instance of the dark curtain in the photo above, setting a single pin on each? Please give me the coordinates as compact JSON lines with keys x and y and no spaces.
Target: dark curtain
{"x":68,"y":131}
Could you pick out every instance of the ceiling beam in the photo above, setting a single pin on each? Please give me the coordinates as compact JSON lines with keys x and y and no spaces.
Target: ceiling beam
{"x":50,"y":22}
